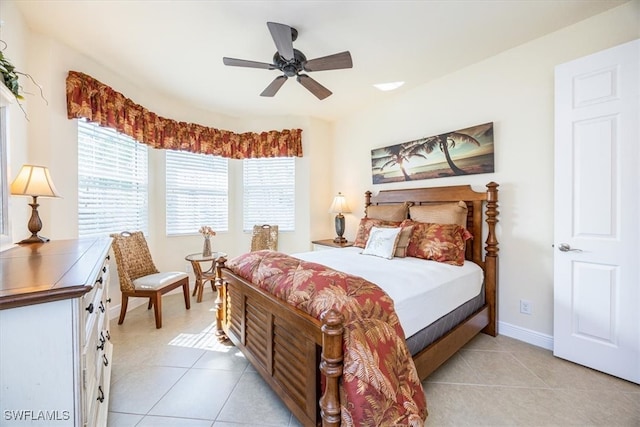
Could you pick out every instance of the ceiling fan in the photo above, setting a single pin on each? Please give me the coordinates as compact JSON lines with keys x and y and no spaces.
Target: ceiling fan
{"x":292,"y":62}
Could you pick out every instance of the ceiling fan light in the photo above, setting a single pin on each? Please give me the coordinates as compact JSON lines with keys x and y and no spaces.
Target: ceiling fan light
{"x":388,"y":86}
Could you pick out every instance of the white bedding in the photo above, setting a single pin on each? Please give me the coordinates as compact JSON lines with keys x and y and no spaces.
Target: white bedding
{"x":422,"y":291}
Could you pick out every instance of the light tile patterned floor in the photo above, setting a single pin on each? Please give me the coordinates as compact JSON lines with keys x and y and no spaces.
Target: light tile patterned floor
{"x":181,"y":376}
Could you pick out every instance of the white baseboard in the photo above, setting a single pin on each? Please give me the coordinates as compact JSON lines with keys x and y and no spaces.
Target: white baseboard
{"x":526,"y":335}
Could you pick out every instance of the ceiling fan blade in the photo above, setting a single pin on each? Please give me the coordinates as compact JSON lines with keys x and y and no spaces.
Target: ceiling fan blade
{"x":244,"y":63}
{"x":313,"y":86}
{"x":336,"y":61}
{"x":274,"y":87}
{"x":283,"y":39}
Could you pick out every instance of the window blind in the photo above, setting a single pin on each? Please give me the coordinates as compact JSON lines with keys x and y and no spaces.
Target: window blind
{"x":269,"y":192}
{"x":112,"y":182}
{"x":197,"y":192}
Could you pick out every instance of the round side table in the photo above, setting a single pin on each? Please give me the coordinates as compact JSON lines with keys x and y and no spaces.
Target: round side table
{"x":203,"y":275}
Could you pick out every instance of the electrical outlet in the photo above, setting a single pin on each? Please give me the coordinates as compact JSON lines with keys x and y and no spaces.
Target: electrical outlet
{"x":526,"y":307}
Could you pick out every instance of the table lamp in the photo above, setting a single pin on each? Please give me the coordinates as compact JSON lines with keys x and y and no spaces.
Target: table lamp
{"x":339,"y":206}
{"x":34,"y":181}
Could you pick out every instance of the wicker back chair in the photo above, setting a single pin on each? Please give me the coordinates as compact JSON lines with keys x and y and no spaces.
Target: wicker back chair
{"x":139,"y":276}
{"x":264,"y":237}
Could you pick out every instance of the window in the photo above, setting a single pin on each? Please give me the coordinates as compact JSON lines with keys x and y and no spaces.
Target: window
{"x":197,"y":192}
{"x":112,"y":182}
{"x":269,"y":192}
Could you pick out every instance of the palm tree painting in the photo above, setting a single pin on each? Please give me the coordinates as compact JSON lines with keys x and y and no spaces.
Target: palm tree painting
{"x":461,"y":152}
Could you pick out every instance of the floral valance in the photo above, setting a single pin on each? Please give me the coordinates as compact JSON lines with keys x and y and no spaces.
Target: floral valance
{"x":99,"y":103}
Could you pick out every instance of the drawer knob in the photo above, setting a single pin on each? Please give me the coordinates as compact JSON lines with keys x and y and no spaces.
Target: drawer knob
{"x":99,"y":280}
{"x":90,"y":308}
{"x":104,"y":269}
{"x":101,"y":307}
{"x":101,"y":395}
{"x":108,"y":335}
{"x":108,"y":300}
{"x":105,"y":360}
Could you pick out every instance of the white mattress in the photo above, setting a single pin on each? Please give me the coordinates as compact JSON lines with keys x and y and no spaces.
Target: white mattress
{"x":422,"y":291}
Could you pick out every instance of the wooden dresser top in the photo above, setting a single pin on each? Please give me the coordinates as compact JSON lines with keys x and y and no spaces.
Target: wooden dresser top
{"x":42,"y":272}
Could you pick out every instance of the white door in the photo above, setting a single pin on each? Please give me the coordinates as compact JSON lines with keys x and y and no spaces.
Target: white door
{"x":597,"y":211}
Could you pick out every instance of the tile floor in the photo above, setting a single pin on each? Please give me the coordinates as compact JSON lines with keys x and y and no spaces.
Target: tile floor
{"x":180,"y":376}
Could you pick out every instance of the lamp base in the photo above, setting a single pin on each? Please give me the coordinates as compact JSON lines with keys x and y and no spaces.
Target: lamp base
{"x":339,"y":229}
{"x":35,"y":224}
{"x":35,"y":239}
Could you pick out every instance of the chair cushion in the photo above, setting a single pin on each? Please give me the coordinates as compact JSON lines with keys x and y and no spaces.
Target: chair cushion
{"x":158,"y":280}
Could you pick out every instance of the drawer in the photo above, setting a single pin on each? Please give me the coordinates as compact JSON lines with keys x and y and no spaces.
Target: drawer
{"x":101,"y":356}
{"x":91,"y":403}
{"x":88,"y":306}
{"x":91,"y":300}
{"x":103,"y":406}
{"x":98,"y":397}
{"x":90,"y":360}
{"x":94,"y":309}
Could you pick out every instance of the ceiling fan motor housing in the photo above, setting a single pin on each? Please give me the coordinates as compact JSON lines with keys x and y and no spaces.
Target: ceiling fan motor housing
{"x":292,"y":67}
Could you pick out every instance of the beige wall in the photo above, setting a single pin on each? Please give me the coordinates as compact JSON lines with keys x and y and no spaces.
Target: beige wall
{"x":513,"y":89}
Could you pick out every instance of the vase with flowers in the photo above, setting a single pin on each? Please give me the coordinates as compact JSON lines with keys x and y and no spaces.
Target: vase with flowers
{"x":207,"y":232}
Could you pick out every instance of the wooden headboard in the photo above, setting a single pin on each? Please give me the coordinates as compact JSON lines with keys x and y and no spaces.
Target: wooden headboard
{"x":482,"y":208}
{"x":474,"y":201}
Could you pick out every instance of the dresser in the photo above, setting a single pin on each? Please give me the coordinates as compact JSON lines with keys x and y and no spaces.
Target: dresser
{"x":55,"y":352}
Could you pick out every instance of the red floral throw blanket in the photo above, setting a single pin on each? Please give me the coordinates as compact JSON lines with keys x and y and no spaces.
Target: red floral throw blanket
{"x":380,"y":385}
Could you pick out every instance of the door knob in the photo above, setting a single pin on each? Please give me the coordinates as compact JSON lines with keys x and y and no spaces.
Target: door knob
{"x":564,"y":247}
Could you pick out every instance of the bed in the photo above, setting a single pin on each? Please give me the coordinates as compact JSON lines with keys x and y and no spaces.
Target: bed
{"x":301,"y":356}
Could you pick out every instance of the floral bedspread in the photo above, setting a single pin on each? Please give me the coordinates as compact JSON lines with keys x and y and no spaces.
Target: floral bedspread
{"x":380,"y":384}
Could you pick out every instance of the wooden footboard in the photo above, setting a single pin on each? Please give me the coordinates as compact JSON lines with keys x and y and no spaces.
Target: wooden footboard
{"x":294,"y":352}
{"x":284,"y":345}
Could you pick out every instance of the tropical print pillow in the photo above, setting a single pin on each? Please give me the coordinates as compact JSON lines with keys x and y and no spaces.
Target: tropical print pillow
{"x":438,"y":242}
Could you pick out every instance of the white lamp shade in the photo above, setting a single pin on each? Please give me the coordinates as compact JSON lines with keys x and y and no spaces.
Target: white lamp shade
{"x":34,"y":181}
{"x":339,"y":205}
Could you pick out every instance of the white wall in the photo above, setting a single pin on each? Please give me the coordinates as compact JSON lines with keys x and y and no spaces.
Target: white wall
{"x":515,"y":91}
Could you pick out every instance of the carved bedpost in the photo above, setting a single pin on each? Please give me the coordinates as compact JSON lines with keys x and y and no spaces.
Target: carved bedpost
{"x":491,"y":259}
{"x":367,"y":201}
{"x":219,"y":282}
{"x":331,"y":367}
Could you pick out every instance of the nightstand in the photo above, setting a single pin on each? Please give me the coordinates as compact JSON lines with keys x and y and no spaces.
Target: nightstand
{"x":319,"y":245}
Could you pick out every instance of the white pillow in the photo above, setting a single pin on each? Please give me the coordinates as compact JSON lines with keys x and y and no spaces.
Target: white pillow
{"x":382,"y":242}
